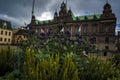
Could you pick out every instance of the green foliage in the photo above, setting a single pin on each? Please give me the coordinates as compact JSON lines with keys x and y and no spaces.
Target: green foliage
{"x":70,"y":67}
{"x":116,"y":60}
{"x":53,"y":42}
{"x":14,"y":75}
{"x":39,"y":66}
{"x":6,"y":60}
{"x":49,"y":69}
{"x":56,"y":57}
{"x":97,"y":69}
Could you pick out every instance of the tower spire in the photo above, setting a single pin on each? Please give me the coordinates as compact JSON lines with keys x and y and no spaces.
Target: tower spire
{"x":33,"y":7}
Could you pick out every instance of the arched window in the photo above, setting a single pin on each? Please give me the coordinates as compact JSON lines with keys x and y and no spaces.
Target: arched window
{"x":76,"y":29}
{"x":85,"y":28}
{"x":107,"y":28}
{"x":94,"y":28}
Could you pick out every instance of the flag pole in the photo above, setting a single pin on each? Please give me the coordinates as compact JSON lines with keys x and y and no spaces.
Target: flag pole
{"x":33,"y":7}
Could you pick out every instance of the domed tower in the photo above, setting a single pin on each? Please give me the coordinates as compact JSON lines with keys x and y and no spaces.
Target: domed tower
{"x":107,"y":29}
{"x":107,"y":12}
{"x":107,"y":20}
{"x":63,"y":11}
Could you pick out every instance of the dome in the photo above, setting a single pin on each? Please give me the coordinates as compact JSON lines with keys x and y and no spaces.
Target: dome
{"x":107,"y":5}
{"x":69,"y":11}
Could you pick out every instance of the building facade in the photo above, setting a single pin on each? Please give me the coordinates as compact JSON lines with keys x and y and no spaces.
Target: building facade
{"x":5,"y":32}
{"x":101,"y":27}
{"x":20,"y":35}
{"x":118,"y":41}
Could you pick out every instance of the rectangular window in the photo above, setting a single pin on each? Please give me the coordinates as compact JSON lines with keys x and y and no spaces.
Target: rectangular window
{"x":9,"y":33}
{"x":76,"y":29}
{"x":94,"y":28}
{"x":85,"y":28}
{"x":106,"y":47}
{"x":5,"y":32}
{"x":5,"y":39}
{"x":1,"y":39}
{"x":107,"y":28}
{"x":8,"y":40}
{"x":1,"y":32}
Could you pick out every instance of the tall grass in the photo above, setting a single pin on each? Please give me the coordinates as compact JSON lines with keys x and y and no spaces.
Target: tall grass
{"x":57,"y":67}
{"x":49,"y":69}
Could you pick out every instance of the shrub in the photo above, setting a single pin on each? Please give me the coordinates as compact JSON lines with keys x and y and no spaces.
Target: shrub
{"x":97,"y":69}
{"x":6,"y":61}
{"x":49,"y":69}
{"x":53,"y":42}
{"x":116,"y":59}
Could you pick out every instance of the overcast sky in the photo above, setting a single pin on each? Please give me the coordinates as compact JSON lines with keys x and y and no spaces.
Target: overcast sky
{"x":18,"y":12}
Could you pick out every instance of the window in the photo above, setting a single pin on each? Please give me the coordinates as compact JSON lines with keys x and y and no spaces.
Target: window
{"x":69,"y":29}
{"x":9,"y":33}
{"x":5,"y":32}
{"x":1,"y":32}
{"x":1,"y":39}
{"x":5,"y":39}
{"x":19,"y":36}
{"x":85,"y":28}
{"x":106,"y":39}
{"x":107,"y":28}
{"x":94,"y":28}
{"x":8,"y":40}
{"x":76,"y":29}
{"x":106,"y":47}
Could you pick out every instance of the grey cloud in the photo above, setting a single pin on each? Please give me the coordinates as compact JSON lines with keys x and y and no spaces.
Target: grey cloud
{"x":21,"y":9}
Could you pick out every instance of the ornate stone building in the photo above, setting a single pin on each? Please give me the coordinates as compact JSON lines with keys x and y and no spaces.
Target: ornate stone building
{"x":101,"y":27}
